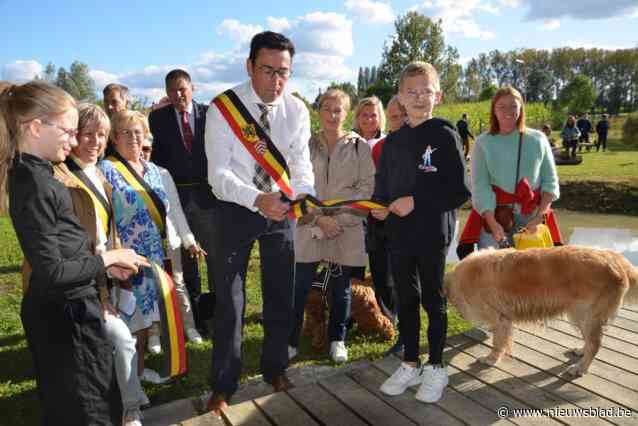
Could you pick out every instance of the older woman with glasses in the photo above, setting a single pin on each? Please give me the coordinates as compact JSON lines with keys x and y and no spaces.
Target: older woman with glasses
{"x":140,"y":205}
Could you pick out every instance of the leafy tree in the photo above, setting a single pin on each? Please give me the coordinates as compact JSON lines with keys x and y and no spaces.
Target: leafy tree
{"x":382,"y":91}
{"x":418,"y":38}
{"x":488,"y":93}
{"x":578,"y":95}
{"x":77,"y":82}
{"x":49,"y":73}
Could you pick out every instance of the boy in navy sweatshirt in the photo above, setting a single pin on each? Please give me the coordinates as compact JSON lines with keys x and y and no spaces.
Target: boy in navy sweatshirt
{"x":422,"y":176}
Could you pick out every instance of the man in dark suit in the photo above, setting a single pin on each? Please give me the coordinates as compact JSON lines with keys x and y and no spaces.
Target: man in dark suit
{"x":178,"y":146}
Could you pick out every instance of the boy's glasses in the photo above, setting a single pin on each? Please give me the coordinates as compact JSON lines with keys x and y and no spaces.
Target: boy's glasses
{"x":416,"y":94}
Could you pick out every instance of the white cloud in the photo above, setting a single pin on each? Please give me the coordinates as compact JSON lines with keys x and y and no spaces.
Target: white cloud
{"x":22,"y":70}
{"x":102,"y":78}
{"x":580,"y":9}
{"x":576,"y":44}
{"x":238,"y":32}
{"x":370,"y":11}
{"x":318,"y":67}
{"x":323,"y":32}
{"x":278,"y":25}
{"x":550,"y":24}
{"x":459,"y":16}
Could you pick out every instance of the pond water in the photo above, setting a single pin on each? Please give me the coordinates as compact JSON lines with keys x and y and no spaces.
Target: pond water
{"x":615,"y":232}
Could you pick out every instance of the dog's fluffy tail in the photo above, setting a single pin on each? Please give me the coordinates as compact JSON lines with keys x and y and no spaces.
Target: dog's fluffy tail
{"x":631,"y":297}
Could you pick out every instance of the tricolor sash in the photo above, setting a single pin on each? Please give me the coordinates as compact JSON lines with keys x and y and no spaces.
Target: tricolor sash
{"x":154,"y":204}
{"x":172,"y":333}
{"x":249,"y":132}
{"x":301,"y":207}
{"x":102,"y":206}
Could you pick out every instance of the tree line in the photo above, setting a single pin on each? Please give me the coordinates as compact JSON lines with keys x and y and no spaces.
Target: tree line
{"x":573,"y":79}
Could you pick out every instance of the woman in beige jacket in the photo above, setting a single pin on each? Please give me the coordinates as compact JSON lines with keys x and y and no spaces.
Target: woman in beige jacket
{"x":343,"y":168}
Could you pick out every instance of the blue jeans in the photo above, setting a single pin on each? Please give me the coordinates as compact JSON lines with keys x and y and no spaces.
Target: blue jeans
{"x":486,"y":239}
{"x":125,"y":360}
{"x":339,"y":293}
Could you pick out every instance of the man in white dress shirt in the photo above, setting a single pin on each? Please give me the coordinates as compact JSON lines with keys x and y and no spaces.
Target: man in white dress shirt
{"x":251,"y":208}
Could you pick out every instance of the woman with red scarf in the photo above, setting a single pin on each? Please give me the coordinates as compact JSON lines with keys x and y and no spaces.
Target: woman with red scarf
{"x":510,"y":191}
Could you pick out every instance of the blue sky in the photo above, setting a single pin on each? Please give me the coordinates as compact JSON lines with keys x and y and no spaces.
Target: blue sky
{"x":136,"y":42}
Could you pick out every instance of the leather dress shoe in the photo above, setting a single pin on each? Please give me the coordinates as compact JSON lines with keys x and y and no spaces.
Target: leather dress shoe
{"x":217,"y":403}
{"x":281,"y":383}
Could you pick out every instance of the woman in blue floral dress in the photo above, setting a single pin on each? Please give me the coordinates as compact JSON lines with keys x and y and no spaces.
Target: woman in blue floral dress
{"x":136,"y":224}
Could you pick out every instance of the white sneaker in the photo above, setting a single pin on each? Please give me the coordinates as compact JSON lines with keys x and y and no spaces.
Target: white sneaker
{"x":400,"y":380}
{"x":194,"y":336}
{"x":152,"y":376}
{"x":338,"y":351}
{"x":133,"y":418}
{"x":434,"y":381}
{"x":154,"y":345}
{"x":292,"y":352}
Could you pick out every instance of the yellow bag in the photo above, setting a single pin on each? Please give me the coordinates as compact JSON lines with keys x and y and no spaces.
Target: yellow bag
{"x":541,"y":239}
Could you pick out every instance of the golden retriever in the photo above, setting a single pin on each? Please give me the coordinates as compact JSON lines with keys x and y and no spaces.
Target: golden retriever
{"x":500,"y":287}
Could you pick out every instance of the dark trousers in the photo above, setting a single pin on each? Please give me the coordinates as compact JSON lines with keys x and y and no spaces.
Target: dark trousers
{"x":584,"y":138}
{"x":602,"y":141}
{"x":73,"y":361}
{"x":339,"y":296}
{"x":238,"y":229}
{"x":419,"y":281}
{"x":466,"y":146}
{"x":199,"y":206}
{"x":380,"y":267}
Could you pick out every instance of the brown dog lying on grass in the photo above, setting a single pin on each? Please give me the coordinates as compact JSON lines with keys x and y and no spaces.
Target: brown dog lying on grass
{"x":365,"y":312}
{"x":501,"y":287}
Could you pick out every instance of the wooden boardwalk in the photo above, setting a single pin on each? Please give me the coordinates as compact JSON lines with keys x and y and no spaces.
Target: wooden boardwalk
{"x":476,"y":395}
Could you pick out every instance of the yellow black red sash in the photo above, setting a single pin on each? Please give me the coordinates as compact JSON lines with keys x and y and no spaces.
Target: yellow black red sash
{"x":172,"y":333}
{"x":300,"y":207}
{"x":154,"y":204}
{"x":102,"y":206}
{"x":248,"y":131}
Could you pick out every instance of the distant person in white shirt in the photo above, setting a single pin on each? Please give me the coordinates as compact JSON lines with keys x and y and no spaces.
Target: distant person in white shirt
{"x":251,"y":207}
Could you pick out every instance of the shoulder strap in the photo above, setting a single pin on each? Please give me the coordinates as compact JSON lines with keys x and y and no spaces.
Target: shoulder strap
{"x":102,"y":206}
{"x":249,"y":132}
{"x":518,"y":161}
{"x":153,"y":202}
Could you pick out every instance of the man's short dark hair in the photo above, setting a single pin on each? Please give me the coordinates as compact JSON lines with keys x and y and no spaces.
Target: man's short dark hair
{"x":177,"y":74}
{"x":269,"y":40}
{"x":115,"y":87}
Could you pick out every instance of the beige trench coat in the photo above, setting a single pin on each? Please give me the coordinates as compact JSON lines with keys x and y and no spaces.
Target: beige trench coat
{"x":346,"y":173}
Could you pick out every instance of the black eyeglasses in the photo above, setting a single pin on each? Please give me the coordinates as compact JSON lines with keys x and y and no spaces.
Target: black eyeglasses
{"x":147,"y":149}
{"x":270,"y":72}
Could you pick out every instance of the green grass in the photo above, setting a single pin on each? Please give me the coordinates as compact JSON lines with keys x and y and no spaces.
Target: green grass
{"x":618,"y":164}
{"x":18,"y":399}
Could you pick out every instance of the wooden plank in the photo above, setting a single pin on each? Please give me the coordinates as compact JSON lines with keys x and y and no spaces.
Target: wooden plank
{"x":374,"y":410}
{"x":537,"y":392}
{"x":324,"y":407}
{"x":244,"y":414}
{"x":592,"y":388}
{"x":597,"y":380}
{"x":491,"y":397}
{"x":452,"y":401}
{"x":630,"y":315}
{"x":208,"y":419}
{"x":618,"y":333}
{"x":170,"y":413}
{"x":632,"y":308}
{"x":281,"y":409}
{"x":420,"y":413}
{"x":609,"y":342}
{"x":616,"y":367}
{"x":628,"y":325}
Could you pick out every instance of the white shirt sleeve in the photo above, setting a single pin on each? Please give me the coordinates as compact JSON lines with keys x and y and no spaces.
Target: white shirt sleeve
{"x":220,"y":141}
{"x":302,"y":176}
{"x":175,"y":212}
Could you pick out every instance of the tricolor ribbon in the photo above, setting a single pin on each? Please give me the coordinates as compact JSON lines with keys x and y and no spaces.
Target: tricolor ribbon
{"x":301,"y":207}
{"x":172,"y":327}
